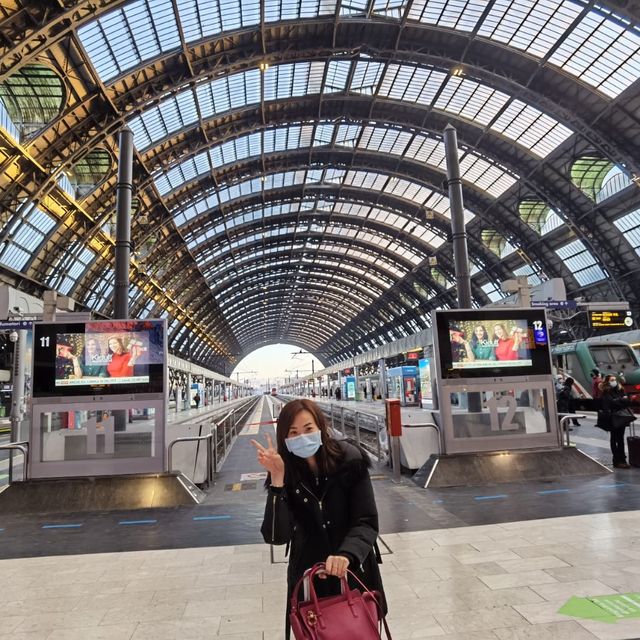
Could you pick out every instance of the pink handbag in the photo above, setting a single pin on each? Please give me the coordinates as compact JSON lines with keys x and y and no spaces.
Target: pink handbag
{"x":350,"y":615}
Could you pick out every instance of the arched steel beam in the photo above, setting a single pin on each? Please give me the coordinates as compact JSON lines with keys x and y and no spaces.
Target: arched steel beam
{"x":347,"y":259}
{"x":315,"y":283}
{"x":517,"y":74}
{"x":488,"y":260}
{"x":574,"y":204}
{"x":530,"y":239}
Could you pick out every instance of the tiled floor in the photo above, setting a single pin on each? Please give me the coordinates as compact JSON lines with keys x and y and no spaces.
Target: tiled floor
{"x":460,"y":566}
{"x":501,"y":581}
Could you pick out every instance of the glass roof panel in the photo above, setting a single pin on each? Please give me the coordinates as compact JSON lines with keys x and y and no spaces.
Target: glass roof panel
{"x":531,"y":128}
{"x":581,"y":262}
{"x":629,"y":225}
{"x":70,"y":267}
{"x":493,"y":292}
{"x":533,"y":26}
{"x":602,"y":50}
{"x":362,"y":179}
{"x":527,"y":126}
{"x":23,"y":237}
{"x":125,"y":37}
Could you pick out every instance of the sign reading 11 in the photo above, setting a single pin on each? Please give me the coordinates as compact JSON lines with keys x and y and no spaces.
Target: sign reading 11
{"x":44,"y":341}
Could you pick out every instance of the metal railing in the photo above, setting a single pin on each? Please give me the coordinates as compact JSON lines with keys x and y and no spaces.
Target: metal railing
{"x":221,"y":435}
{"x":564,"y":420}
{"x":210,"y":467}
{"x":357,"y":415}
{"x":20,"y":446}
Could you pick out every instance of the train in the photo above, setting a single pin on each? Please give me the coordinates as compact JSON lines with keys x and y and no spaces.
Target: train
{"x":605,"y":353}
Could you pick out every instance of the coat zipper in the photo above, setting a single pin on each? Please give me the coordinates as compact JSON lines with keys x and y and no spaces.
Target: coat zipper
{"x":314,"y":495}
{"x":273,"y":519}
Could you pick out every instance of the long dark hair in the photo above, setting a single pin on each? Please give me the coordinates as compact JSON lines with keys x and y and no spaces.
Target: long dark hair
{"x":329,"y":455}
{"x":474,"y":337}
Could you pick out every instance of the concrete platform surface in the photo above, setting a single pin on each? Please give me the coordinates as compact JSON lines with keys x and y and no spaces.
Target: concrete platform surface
{"x":495,"y":582}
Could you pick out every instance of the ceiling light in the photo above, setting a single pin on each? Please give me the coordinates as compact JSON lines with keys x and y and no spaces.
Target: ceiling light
{"x":457,"y":71}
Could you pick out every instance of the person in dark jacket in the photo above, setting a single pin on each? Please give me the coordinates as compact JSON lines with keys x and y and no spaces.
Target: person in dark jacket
{"x":320,"y":500}
{"x":566,"y":401}
{"x":613,"y":398}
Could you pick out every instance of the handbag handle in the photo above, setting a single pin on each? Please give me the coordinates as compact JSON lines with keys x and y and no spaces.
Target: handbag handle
{"x":320,"y":567}
{"x":309,"y":575}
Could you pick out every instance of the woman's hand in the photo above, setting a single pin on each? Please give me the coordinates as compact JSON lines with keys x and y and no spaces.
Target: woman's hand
{"x":270,"y":459}
{"x":336,"y":566}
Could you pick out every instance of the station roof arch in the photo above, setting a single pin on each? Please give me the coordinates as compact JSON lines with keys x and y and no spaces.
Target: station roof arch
{"x":289,"y":160}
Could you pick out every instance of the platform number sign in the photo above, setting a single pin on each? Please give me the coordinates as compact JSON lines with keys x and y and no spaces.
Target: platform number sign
{"x":502,"y":421}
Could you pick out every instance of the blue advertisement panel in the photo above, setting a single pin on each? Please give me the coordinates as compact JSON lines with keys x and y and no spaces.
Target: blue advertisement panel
{"x":350,"y":383}
{"x":425,"y":382}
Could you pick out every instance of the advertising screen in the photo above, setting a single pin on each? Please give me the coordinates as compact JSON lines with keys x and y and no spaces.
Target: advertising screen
{"x":493,"y":342}
{"x":425,"y":382}
{"x":98,"y":358}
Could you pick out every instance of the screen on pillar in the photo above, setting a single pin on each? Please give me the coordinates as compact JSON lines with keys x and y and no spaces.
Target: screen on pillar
{"x":98,"y":358}
{"x":482,"y":343}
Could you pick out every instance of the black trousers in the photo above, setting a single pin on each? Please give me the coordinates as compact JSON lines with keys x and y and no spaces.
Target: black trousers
{"x":617,"y":445}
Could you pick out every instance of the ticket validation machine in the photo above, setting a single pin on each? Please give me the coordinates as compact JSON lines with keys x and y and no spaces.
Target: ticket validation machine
{"x":493,"y":369}
{"x":89,"y":380}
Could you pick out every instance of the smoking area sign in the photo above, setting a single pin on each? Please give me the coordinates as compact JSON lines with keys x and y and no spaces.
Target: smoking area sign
{"x":610,"y":319}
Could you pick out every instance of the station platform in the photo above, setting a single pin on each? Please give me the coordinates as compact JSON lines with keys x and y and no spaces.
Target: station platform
{"x":473,"y":563}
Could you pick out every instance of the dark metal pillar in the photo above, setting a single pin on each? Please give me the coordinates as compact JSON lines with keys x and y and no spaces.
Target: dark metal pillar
{"x":459,"y":236}
{"x":124,"y":190}
{"x":458,"y":229}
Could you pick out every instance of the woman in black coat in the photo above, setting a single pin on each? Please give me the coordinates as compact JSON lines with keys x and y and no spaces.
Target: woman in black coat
{"x":612,"y":399}
{"x":320,"y":501}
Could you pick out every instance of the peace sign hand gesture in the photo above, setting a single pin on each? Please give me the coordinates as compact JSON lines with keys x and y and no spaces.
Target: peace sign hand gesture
{"x":270,"y":459}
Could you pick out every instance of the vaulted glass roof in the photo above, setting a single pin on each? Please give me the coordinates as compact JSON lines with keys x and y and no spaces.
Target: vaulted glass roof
{"x":413,"y":192}
{"x":481,"y":104}
{"x":590,"y":43}
{"x":290,"y":166}
{"x":476,"y":170}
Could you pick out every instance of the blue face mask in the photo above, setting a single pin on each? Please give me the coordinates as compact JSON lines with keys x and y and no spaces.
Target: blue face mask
{"x":304,"y":446}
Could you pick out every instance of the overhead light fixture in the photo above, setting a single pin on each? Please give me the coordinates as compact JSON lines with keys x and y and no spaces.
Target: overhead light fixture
{"x":457,"y":71}
{"x":263,"y":66}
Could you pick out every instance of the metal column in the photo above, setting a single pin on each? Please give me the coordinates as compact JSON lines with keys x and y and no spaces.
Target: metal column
{"x":124,"y":190}
{"x":458,"y":229}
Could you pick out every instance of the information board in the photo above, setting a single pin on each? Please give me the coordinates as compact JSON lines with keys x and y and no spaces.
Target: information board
{"x":610,"y":319}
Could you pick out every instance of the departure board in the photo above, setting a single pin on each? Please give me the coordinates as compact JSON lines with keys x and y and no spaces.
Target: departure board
{"x":610,"y":319}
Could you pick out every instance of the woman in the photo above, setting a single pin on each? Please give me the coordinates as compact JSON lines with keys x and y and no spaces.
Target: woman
{"x":93,"y":362}
{"x":480,"y":346}
{"x":613,"y":399}
{"x":506,"y":347}
{"x":320,"y":500}
{"x":121,"y":362}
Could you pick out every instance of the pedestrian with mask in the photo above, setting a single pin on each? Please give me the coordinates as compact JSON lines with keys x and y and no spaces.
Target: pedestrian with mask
{"x":320,"y":500}
{"x":614,"y":417}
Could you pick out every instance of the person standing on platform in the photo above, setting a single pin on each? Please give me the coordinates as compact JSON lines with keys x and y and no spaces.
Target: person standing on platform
{"x":566,"y":399}
{"x":614,"y":400}
{"x":338,"y":393}
{"x":320,"y":500}
{"x":596,"y":381}
{"x":196,"y":399}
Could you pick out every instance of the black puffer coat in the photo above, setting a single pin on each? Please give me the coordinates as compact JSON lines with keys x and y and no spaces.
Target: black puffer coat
{"x":338,"y":517}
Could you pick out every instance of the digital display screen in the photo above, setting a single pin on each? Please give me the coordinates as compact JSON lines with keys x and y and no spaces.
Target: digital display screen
{"x":493,"y":342}
{"x":98,"y":358}
{"x":610,"y":319}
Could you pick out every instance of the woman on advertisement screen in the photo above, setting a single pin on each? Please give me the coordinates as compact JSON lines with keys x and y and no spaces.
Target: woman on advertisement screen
{"x":507,"y":344}
{"x":122,"y":361}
